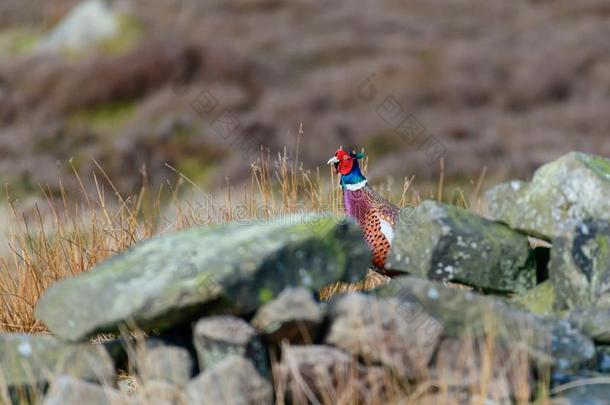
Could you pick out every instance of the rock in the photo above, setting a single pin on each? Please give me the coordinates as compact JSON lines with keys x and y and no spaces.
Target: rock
{"x":603,"y":359}
{"x":232,"y":381}
{"x":398,"y":335}
{"x":217,"y":337}
{"x":293,"y":316}
{"x":30,"y":360}
{"x":580,"y":266}
{"x":160,"y":393}
{"x":235,"y":267}
{"x":160,"y":362}
{"x":465,"y":313}
{"x":67,"y":390}
{"x":593,"y":322}
{"x":539,"y":299}
{"x":449,"y":243}
{"x":586,"y":394}
{"x":561,"y":193}
{"x":86,"y":25}
{"x":472,"y":365}
{"x":315,"y":373}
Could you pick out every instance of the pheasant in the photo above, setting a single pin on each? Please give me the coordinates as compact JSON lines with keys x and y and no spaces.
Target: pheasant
{"x":375,"y":215}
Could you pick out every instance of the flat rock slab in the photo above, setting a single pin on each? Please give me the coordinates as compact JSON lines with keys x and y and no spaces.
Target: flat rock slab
{"x":561,"y":193}
{"x":443,"y":242}
{"x":168,"y":279}
{"x":580,"y":266}
{"x":31,"y":360}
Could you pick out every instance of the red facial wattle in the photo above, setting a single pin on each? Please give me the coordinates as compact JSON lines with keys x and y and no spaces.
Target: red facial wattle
{"x":346,"y":162}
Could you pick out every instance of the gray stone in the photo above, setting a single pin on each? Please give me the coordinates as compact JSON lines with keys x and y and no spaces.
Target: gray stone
{"x":87,"y":24}
{"x":561,"y":193}
{"x":238,"y":267}
{"x":217,"y":337}
{"x":67,"y":390}
{"x":585,"y":394}
{"x":444,"y":242}
{"x":232,"y":381}
{"x":593,"y":322}
{"x":31,"y":360}
{"x":550,"y":341}
{"x":293,"y":316}
{"x":159,"y":362}
{"x":398,"y":335}
{"x":538,"y":300}
{"x":470,"y":365}
{"x":159,"y":393}
{"x":580,"y":266}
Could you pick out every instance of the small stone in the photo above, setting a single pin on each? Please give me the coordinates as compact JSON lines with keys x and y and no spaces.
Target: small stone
{"x":217,"y":337}
{"x":29,"y":360}
{"x":293,"y":316}
{"x":66,"y":390}
{"x":161,"y":362}
{"x":160,"y":393}
{"x":234,"y":380}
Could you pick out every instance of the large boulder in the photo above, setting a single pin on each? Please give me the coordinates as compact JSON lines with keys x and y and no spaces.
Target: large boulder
{"x":31,"y":360}
{"x":580,"y":266}
{"x":443,"y":242}
{"x":398,"y":335}
{"x":561,"y":193}
{"x":550,"y":341}
{"x":238,"y":267}
{"x":232,"y":381}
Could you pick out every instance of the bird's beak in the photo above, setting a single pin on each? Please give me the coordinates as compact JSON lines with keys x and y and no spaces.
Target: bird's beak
{"x":332,"y":160}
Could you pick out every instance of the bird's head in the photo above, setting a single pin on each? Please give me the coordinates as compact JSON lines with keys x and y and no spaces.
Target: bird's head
{"x":344,"y":161}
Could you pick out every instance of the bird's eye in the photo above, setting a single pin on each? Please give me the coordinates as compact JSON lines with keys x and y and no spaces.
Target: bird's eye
{"x":344,"y":157}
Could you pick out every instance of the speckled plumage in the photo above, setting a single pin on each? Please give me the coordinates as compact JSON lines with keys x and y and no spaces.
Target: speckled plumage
{"x":370,"y":210}
{"x":374,"y":214}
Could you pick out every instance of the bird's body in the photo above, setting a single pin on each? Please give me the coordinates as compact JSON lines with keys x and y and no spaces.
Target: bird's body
{"x":375,"y":215}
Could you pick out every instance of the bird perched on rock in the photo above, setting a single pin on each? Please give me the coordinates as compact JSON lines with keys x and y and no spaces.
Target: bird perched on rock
{"x":375,"y":215}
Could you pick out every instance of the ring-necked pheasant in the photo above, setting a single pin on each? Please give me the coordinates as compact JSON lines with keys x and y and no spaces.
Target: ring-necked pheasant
{"x":375,"y":215}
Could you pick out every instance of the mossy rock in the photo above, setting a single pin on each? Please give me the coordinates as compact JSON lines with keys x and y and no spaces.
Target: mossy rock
{"x":234,"y":268}
{"x":561,"y":194}
{"x":443,"y":242}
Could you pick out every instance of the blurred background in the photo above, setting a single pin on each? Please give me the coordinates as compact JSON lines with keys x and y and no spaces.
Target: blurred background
{"x":201,"y":86}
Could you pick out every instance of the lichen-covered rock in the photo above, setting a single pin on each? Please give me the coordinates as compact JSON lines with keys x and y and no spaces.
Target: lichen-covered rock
{"x":293,"y":316}
{"x":168,"y":279}
{"x":398,"y":335}
{"x":580,"y":266}
{"x":449,"y":243}
{"x":549,"y":340}
{"x":66,"y":390}
{"x":31,"y":360}
{"x":593,"y":322}
{"x":232,"y":381}
{"x":218,"y":337}
{"x":539,"y":299}
{"x":561,"y":193}
{"x":160,"y":362}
